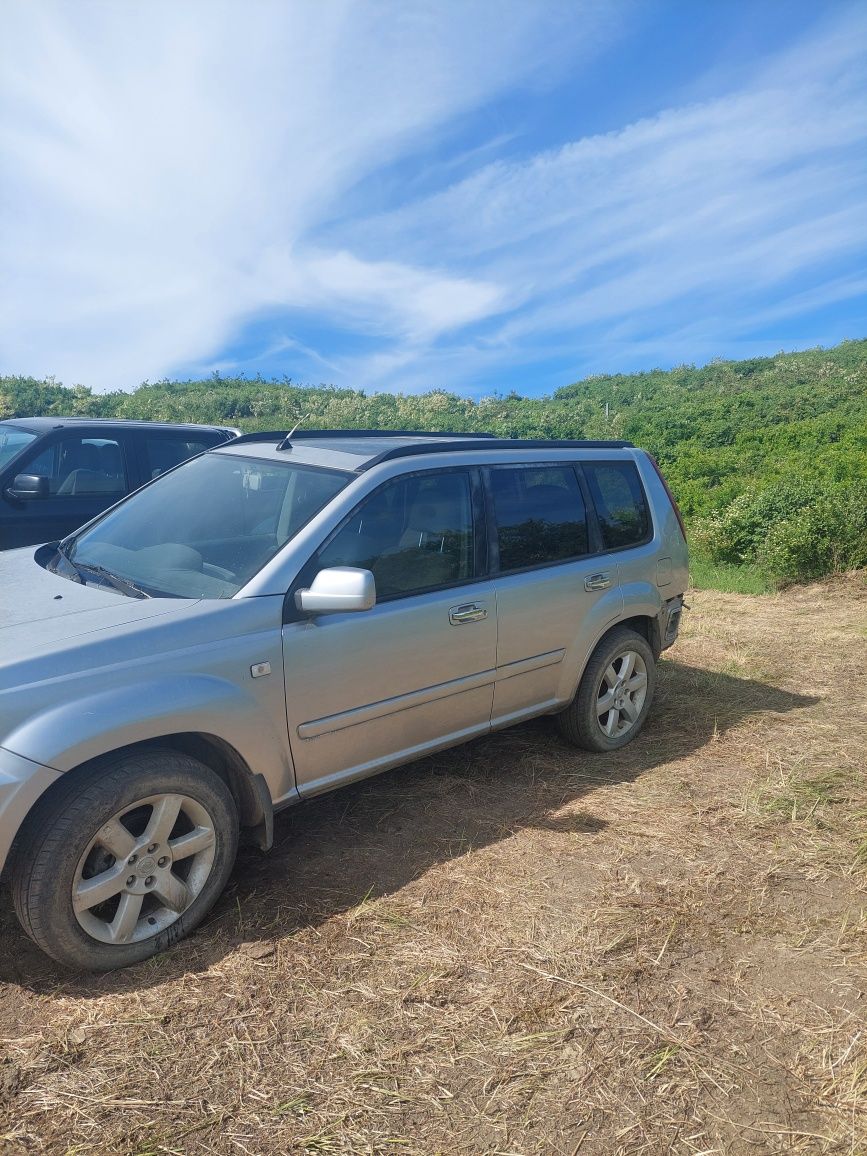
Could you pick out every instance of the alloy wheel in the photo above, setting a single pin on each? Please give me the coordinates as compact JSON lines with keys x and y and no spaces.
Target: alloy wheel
{"x":621,"y":694}
{"x":144,"y":868}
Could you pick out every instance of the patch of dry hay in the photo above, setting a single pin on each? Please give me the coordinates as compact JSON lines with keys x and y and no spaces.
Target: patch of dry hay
{"x":517,"y":948}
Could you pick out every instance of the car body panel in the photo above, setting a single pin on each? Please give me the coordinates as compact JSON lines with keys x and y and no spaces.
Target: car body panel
{"x":187,"y":670}
{"x":544,"y":612}
{"x":22,"y":784}
{"x":409,"y":681}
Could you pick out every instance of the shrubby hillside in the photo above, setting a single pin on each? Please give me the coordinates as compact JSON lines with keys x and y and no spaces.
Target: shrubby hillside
{"x":768,"y":457}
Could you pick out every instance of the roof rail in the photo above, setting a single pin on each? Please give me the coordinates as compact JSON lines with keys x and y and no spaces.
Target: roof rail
{"x":262,"y":435}
{"x":451,"y":442}
{"x":304,"y":434}
{"x":493,"y":443}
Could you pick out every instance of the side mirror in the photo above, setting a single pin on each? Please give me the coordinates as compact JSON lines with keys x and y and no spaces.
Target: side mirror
{"x":28,"y":486}
{"x":337,"y":590}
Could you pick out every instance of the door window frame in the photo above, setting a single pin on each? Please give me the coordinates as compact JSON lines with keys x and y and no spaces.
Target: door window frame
{"x":480,"y":552}
{"x":594,"y":539}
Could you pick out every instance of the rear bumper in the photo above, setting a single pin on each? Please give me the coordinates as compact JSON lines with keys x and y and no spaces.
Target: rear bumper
{"x":669,"y":621}
{"x":21,"y":784}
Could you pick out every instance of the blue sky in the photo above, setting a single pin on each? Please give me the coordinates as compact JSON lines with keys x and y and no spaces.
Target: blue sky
{"x":462,"y":194}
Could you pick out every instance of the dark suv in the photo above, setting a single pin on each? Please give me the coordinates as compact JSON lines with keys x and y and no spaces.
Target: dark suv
{"x":56,"y":473}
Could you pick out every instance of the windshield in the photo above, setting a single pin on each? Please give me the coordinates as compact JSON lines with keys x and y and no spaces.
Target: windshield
{"x":206,"y":528}
{"x":12,"y":442}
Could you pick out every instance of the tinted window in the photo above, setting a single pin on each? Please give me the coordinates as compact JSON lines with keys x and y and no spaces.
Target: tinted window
{"x":540,"y":515}
{"x":163,"y":453}
{"x":206,"y":529}
{"x":620,"y":504}
{"x":80,"y":465}
{"x":12,"y":442}
{"x":414,"y":533}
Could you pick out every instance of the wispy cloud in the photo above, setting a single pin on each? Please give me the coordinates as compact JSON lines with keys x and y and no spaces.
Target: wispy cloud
{"x":175,"y":172}
{"x":701,"y":214}
{"x":165,"y":164}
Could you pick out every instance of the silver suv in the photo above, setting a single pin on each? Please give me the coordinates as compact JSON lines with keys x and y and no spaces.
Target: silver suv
{"x":286,"y":614}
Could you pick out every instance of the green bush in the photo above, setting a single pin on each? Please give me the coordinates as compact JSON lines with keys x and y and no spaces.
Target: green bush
{"x":795,"y":531}
{"x":827,"y":537}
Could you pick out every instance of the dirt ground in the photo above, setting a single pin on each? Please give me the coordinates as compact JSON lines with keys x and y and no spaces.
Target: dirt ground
{"x":515,"y":947}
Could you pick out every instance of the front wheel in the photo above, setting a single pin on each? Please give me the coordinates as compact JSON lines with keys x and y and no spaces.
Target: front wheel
{"x":118,"y":865}
{"x":614,"y":695}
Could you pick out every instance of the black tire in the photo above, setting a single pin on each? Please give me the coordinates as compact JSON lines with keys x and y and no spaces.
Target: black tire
{"x":63,"y":826}
{"x":580,"y":722}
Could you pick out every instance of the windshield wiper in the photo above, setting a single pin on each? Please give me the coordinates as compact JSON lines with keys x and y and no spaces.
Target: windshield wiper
{"x":123,"y":585}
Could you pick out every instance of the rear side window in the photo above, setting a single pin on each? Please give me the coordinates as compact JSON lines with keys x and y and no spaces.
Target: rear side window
{"x":620,"y":504}
{"x":539,"y":514}
{"x":164,"y":453}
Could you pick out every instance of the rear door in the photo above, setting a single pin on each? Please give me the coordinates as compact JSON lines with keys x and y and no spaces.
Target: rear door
{"x":555,"y":592}
{"x":160,"y":450}
{"x":373,"y":689}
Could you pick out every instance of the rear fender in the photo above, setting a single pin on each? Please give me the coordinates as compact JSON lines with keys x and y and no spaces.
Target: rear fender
{"x":579,"y":655}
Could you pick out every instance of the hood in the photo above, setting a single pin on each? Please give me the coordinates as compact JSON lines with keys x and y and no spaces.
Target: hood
{"x":39,"y":610}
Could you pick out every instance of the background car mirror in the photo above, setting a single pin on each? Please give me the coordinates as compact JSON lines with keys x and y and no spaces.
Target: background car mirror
{"x":28,"y":486}
{"x":337,"y":590}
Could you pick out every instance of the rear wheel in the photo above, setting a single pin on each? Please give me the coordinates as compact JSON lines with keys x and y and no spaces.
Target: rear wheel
{"x":120,"y":864}
{"x":614,"y":696}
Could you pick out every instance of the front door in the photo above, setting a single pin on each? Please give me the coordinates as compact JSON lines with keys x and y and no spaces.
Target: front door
{"x":86,"y":474}
{"x":376,"y":688}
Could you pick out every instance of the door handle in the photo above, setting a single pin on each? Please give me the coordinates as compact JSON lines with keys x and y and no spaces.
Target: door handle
{"x":597,"y":582}
{"x":468,"y":612}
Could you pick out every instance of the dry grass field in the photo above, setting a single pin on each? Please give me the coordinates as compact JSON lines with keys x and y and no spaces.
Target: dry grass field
{"x":516,"y":948}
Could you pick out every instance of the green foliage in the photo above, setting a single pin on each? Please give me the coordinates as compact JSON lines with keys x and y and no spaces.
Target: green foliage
{"x":794,"y":531}
{"x":767,"y":457}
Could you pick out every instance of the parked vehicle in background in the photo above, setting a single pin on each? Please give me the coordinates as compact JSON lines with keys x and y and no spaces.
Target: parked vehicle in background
{"x":286,"y":614}
{"x":56,"y":473}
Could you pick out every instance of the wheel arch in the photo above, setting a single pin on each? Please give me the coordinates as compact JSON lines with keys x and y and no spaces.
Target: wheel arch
{"x":249,"y":790}
{"x":646,"y":625}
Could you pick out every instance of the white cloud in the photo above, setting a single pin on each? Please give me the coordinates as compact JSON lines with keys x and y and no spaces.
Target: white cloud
{"x":166,"y":162}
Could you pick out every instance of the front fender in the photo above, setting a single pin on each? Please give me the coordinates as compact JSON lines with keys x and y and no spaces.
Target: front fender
{"x":80,"y":729}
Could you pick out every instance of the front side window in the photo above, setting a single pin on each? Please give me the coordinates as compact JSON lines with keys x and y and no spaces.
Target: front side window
{"x":539,"y":515}
{"x":204,"y":530}
{"x":12,"y":442}
{"x":620,"y":503}
{"x":77,"y":465}
{"x":413,"y":534}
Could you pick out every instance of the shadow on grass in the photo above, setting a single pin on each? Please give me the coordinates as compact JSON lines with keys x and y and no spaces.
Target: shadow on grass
{"x":373,"y":838}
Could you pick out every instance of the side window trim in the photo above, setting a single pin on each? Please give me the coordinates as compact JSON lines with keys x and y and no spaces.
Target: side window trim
{"x":480,"y":548}
{"x":594,"y":532}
